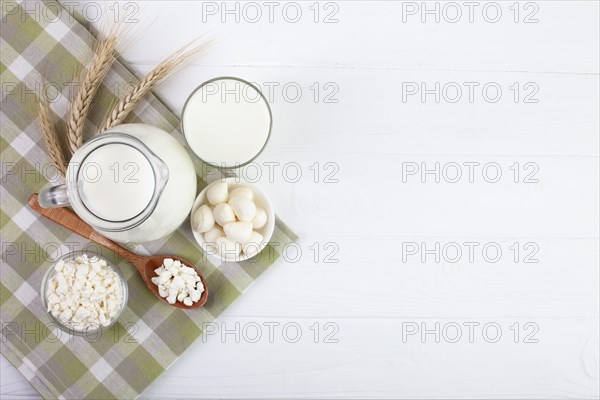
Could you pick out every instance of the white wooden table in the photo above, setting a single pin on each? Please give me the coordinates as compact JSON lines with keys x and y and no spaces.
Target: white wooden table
{"x":353,"y":87}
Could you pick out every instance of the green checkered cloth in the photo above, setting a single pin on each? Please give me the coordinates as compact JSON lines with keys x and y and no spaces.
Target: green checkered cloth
{"x":41,"y":42}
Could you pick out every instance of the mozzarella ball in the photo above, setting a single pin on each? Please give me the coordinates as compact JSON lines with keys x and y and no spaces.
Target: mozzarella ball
{"x":238,"y":231}
{"x":242,"y":192}
{"x":212,"y":235}
{"x":227,"y":248}
{"x":217,"y":193}
{"x":260,"y":219}
{"x":203,"y":220}
{"x":223,"y":214}
{"x":244,"y":209}
{"x":253,"y":244}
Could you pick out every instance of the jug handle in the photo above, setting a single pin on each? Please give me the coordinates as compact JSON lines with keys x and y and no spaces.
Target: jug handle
{"x":53,"y":197}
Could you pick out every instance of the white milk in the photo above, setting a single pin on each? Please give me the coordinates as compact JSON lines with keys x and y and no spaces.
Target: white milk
{"x":226,"y":122}
{"x":136,"y":183}
{"x":116,"y":182}
{"x":178,"y":194}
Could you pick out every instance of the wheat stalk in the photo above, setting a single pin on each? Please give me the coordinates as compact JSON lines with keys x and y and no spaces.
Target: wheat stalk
{"x":146,"y":84}
{"x":102,"y":59}
{"x":51,"y":138}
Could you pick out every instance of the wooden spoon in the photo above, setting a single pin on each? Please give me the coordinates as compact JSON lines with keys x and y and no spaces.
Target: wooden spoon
{"x":144,"y":264}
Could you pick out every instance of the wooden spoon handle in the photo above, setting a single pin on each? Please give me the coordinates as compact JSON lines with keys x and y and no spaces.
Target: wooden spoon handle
{"x":68,"y":219}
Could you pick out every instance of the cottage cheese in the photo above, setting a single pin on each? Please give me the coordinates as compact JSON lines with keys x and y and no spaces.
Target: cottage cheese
{"x":85,"y":292}
{"x":177,"y":282}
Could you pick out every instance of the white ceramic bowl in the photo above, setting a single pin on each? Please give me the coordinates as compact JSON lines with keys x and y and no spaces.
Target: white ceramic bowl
{"x":260,"y":199}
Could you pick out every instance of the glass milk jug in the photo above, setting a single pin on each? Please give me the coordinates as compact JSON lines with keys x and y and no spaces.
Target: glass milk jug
{"x":134,"y":183}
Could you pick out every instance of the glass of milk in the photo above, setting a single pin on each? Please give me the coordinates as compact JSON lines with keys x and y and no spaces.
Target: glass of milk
{"x":226,"y":122}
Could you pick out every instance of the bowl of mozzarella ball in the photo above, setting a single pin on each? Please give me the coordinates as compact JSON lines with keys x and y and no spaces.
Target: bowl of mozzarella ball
{"x":232,"y":220}
{"x":83,"y":293}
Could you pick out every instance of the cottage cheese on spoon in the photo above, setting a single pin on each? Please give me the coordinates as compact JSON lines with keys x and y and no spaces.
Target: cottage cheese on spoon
{"x":177,"y":282}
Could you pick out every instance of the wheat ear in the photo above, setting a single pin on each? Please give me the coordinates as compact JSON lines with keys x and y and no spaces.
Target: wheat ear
{"x":145,"y":85}
{"x":102,"y":59}
{"x":51,"y":138}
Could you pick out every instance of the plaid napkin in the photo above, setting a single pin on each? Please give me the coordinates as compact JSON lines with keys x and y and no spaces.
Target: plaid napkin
{"x":41,"y":39}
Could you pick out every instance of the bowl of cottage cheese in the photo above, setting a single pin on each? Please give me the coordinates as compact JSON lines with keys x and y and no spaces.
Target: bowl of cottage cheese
{"x":83,"y":293}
